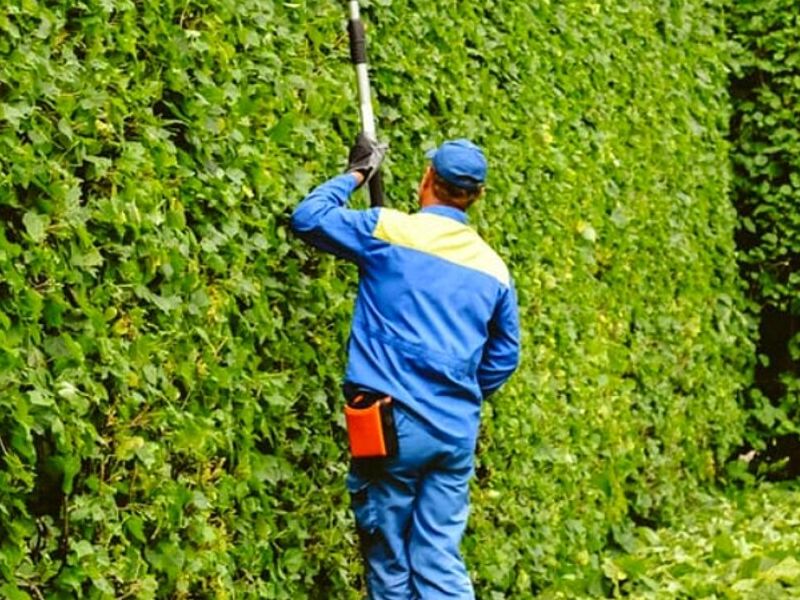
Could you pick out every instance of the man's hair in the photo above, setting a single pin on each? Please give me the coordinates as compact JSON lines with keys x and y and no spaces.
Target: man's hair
{"x":451,"y":194}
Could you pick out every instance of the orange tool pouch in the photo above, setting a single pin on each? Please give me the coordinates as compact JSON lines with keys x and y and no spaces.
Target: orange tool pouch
{"x":370,"y":426}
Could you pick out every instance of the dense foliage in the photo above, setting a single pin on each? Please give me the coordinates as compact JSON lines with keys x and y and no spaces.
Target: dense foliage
{"x":739,"y":547}
{"x":766,"y":157}
{"x":170,"y":422}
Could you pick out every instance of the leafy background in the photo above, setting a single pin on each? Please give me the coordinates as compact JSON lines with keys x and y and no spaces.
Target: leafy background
{"x":740,"y":547}
{"x":765,"y":86}
{"x":170,"y":355}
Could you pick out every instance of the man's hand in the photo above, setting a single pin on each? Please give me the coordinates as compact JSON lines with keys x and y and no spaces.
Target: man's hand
{"x":359,"y":178}
{"x":365,"y":157}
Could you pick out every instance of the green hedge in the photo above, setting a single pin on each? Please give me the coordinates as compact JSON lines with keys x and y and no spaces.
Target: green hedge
{"x":170,"y":356}
{"x":765,"y":86}
{"x":740,"y":546}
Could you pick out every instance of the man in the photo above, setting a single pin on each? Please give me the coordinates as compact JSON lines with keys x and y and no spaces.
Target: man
{"x":436,"y":328}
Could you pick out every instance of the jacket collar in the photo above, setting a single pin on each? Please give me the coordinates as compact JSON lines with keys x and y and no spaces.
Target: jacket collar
{"x":447,"y":211}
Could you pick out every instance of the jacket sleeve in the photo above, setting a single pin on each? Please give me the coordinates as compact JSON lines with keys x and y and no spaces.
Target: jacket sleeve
{"x":501,"y":353}
{"x":323,"y":220}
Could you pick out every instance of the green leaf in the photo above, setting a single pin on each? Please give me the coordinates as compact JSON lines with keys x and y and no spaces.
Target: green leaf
{"x":36,"y":225}
{"x":12,"y":592}
{"x":135,"y":527}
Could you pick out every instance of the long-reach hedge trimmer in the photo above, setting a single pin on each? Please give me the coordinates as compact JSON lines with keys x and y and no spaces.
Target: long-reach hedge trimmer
{"x":358,"y":54}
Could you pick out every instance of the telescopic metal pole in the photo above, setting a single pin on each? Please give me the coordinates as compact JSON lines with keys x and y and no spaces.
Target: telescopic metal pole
{"x":358,"y":54}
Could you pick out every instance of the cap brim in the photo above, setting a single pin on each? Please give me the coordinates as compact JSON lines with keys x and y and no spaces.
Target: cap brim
{"x":431,"y":153}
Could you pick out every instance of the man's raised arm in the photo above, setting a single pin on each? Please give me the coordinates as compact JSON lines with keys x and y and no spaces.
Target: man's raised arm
{"x":322,"y":218}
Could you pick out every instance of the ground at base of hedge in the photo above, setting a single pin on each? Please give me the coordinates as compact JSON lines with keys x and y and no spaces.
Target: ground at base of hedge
{"x":743,"y":545}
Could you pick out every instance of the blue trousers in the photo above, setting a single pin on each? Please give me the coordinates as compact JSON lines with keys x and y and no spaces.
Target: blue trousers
{"x":410,"y":513}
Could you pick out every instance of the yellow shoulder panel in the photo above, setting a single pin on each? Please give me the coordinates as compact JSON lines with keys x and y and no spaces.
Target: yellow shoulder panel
{"x":443,"y":237}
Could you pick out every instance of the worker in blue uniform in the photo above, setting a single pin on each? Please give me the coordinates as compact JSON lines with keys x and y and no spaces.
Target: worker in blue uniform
{"x":435,"y":328}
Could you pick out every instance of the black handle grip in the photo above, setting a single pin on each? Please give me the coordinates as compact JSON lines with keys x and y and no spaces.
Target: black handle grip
{"x":376,"y":189}
{"x":358,"y":42}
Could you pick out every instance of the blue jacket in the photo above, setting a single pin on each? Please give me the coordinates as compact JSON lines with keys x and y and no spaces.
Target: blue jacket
{"x":435,"y":322}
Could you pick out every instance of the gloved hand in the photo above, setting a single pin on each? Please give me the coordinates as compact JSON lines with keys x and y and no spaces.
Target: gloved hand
{"x":366,"y":156}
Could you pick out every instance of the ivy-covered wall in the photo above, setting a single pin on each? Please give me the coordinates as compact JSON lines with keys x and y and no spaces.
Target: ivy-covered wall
{"x":170,"y":421}
{"x":765,"y":85}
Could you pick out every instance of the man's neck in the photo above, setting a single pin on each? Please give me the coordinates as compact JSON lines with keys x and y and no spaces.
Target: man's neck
{"x":429,"y":201}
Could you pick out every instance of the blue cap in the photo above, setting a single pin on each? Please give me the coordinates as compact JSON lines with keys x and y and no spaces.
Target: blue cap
{"x":459,"y":162}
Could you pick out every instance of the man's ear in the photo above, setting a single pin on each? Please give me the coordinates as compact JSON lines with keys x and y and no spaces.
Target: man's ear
{"x":427,"y":180}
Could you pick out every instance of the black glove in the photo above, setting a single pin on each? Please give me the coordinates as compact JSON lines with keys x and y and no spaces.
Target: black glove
{"x":366,"y":156}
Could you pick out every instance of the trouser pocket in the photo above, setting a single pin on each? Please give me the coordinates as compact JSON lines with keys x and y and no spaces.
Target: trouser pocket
{"x":362,"y":502}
